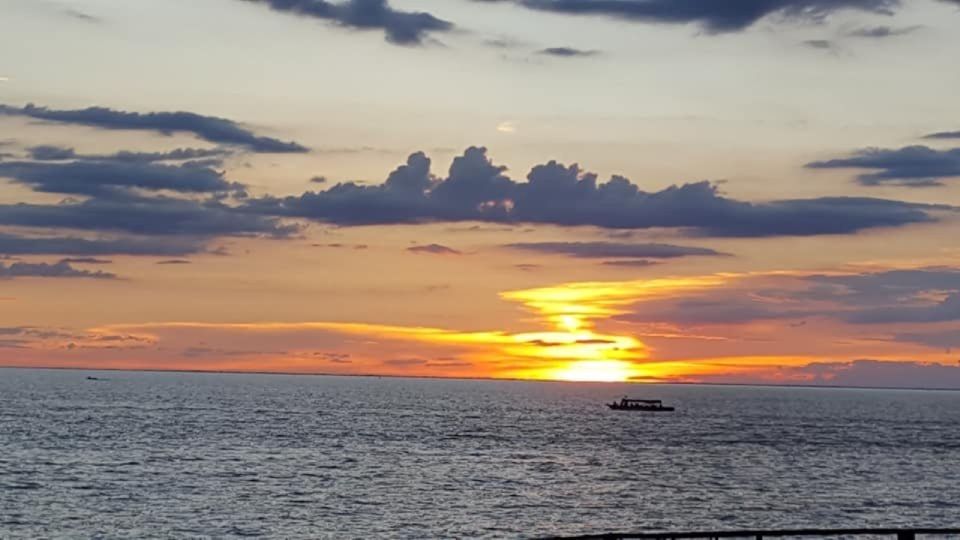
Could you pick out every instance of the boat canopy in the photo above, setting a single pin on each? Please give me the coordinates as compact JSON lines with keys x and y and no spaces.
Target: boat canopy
{"x":650,"y":401}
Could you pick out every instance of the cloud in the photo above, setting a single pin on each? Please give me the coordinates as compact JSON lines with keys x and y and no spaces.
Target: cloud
{"x":923,"y":295}
{"x":943,"y":135}
{"x":861,"y":373}
{"x":822,"y":44}
{"x":911,"y":166}
{"x":946,"y":310}
{"x":567,"y":52}
{"x":880,"y":32}
{"x":613,"y":250}
{"x":86,"y":260}
{"x":434,"y":249}
{"x":639,"y":263}
{"x":61,"y":153}
{"x":400,"y":27}
{"x":713,"y":16}
{"x":722,"y":308}
{"x":174,"y":262}
{"x":476,"y":189}
{"x":146,"y":216}
{"x":883,"y":374}
{"x":209,"y":128}
{"x":67,"y":245}
{"x":61,"y":269}
{"x":104,"y":178}
{"x":949,"y":339}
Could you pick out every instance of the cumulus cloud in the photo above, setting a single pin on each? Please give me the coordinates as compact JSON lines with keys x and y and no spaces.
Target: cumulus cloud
{"x":912,"y":166}
{"x":400,"y":27}
{"x":476,"y":189}
{"x":613,"y":250}
{"x":713,"y":16}
{"x":61,"y":269}
{"x":209,"y":128}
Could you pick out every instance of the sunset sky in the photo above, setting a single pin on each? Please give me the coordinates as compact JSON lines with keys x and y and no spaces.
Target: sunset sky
{"x":751,"y":191}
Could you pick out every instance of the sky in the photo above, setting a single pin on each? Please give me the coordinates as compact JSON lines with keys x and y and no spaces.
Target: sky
{"x":752,"y":191}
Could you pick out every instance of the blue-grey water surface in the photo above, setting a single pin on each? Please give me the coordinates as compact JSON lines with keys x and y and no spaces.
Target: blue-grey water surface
{"x":178,"y":455}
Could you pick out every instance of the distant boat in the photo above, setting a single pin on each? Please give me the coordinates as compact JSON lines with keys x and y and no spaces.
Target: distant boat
{"x":649,"y":405}
{"x":94,"y":379}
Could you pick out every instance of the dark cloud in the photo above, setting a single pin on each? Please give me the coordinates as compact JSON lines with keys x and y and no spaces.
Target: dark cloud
{"x":864,"y":373}
{"x":943,"y":135}
{"x":209,"y":128}
{"x":567,"y":52}
{"x":912,"y":166}
{"x":145,"y":216}
{"x":822,"y":44}
{"x":174,"y":262}
{"x":66,"y":245}
{"x":85,"y":260}
{"x":104,"y":178}
{"x":434,"y":249}
{"x":948,"y":340}
{"x":639,"y":263}
{"x":883,"y":374}
{"x":880,"y":32}
{"x":925,"y":295}
{"x":60,"y":153}
{"x":612,"y":250}
{"x":717,"y":309}
{"x":883,"y":288}
{"x":946,"y":310}
{"x":476,"y":189}
{"x":319,"y":180}
{"x":61,"y":269}
{"x":712,"y":15}
{"x":400,"y":27}
{"x":339,"y":245}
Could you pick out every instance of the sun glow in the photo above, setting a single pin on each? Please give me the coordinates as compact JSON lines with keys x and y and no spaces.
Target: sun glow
{"x":595,"y":371}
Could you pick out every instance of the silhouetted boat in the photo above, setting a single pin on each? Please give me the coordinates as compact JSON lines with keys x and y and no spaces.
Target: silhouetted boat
{"x":649,"y":405}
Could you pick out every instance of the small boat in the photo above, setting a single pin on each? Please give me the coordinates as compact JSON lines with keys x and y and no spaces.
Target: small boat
{"x":649,"y":405}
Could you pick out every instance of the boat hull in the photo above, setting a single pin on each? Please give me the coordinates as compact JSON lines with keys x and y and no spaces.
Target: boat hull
{"x":616,"y":407}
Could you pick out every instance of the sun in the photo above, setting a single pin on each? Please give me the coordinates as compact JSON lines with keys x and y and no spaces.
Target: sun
{"x":596,"y":371}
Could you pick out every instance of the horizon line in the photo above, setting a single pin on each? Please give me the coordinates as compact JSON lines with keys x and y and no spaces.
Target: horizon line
{"x":490,"y":379}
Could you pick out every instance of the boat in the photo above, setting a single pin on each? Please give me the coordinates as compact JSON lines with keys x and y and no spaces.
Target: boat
{"x":649,"y":405}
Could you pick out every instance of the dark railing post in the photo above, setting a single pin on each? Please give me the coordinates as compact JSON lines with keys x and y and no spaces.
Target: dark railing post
{"x":909,"y":535}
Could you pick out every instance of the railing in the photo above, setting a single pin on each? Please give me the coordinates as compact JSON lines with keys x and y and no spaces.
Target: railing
{"x":899,"y":534}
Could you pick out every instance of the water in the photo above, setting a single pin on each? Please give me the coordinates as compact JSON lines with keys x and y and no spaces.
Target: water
{"x":150,"y":455}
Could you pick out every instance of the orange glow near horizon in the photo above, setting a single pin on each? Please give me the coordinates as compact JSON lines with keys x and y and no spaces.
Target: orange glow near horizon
{"x":576,"y":343}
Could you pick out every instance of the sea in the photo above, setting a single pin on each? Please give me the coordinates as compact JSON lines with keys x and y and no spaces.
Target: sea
{"x":189,"y":455}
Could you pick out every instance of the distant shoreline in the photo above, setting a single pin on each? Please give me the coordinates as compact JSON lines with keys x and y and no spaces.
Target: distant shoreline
{"x":493,"y":379}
